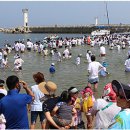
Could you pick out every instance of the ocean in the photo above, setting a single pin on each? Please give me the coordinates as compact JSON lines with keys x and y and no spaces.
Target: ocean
{"x":67,"y":73}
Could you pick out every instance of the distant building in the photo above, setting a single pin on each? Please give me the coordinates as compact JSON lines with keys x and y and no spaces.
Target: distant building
{"x":96,"y":21}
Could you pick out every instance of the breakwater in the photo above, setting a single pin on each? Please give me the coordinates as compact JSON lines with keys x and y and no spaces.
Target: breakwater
{"x":114,"y":28}
{"x":80,"y":29}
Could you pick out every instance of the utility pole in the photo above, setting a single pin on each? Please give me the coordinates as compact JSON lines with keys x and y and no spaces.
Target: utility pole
{"x":107,"y":13}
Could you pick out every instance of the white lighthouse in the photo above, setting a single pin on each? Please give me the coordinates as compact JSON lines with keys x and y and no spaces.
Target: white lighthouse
{"x":25,"y":15}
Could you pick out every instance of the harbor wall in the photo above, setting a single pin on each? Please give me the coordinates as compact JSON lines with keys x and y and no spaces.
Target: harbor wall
{"x":78,"y":29}
{"x":114,"y":28}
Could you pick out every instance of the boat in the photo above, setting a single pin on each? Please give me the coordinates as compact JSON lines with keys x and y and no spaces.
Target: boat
{"x":100,"y":32}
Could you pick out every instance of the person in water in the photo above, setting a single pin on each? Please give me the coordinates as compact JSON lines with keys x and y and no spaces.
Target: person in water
{"x":52,"y":68}
{"x":127,"y":64}
{"x":103,"y":71}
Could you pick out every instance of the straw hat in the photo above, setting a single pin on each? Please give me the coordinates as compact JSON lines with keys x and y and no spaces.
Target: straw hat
{"x":47,"y":87}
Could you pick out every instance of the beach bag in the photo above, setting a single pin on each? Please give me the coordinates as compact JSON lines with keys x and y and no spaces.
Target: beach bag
{"x":103,"y":119}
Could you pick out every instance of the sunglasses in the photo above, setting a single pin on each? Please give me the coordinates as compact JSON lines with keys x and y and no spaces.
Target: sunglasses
{"x":119,"y":92}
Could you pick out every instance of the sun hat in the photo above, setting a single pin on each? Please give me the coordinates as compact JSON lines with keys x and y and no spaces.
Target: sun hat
{"x":108,"y":93}
{"x":89,"y":52}
{"x":47,"y":87}
{"x":2,"y":82}
{"x":53,"y":64}
{"x":74,"y":90}
{"x":125,"y":88}
{"x":87,"y":90}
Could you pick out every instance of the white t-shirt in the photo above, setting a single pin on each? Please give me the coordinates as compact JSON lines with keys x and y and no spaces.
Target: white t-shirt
{"x":18,"y":62}
{"x":66,"y":52}
{"x":17,"y":47}
{"x":36,"y":104}
{"x":127,"y":63}
{"x":93,"y":69}
{"x":41,"y":47}
{"x":77,"y":60}
{"x":60,"y":43}
{"x":3,"y":91}
{"x":1,"y":55}
{"x":108,"y":113}
{"x":102,"y":50}
{"x":88,"y":57}
{"x":4,"y":62}
{"x":22,"y":47}
{"x":29,"y":44}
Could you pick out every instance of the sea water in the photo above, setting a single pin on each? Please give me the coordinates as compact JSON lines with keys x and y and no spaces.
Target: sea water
{"x":67,"y":73}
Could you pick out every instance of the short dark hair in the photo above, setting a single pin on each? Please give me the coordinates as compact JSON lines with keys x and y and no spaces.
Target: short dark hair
{"x":65,"y":96}
{"x":2,"y":82}
{"x":93,"y":58}
{"x":11,"y":81}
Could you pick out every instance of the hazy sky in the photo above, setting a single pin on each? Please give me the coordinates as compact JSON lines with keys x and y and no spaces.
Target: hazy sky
{"x":47,"y":13}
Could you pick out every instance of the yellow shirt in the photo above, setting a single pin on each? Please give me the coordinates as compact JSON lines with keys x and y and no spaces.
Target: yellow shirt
{"x":77,"y":104}
{"x":87,"y":103}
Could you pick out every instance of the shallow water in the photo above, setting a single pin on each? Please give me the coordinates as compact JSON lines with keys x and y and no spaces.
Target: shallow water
{"x":67,"y":73}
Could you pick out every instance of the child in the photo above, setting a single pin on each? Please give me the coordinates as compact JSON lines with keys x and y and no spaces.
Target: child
{"x":103,"y":71}
{"x":52,"y":68}
{"x":78,"y":60}
{"x":87,"y":104}
{"x":63,"y":110}
{"x":88,"y":56}
{"x":4,"y":63}
{"x":76,"y":102}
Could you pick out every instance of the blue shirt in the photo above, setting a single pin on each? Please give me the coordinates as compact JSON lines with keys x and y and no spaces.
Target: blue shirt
{"x":52,"y":69}
{"x":14,"y":108}
{"x":122,"y":120}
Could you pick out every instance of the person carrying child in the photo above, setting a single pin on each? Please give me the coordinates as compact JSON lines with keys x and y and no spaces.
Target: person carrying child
{"x":76,"y":102}
{"x":63,"y":110}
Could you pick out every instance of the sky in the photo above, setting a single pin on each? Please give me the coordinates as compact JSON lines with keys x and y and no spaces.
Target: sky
{"x":63,"y":13}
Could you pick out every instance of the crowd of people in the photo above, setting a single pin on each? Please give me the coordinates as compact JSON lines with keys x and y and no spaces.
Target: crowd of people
{"x":65,"y":111}
{"x":111,"y":111}
{"x":53,"y":47}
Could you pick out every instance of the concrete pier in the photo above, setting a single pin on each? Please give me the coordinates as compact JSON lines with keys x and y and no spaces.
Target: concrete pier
{"x":114,"y":28}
